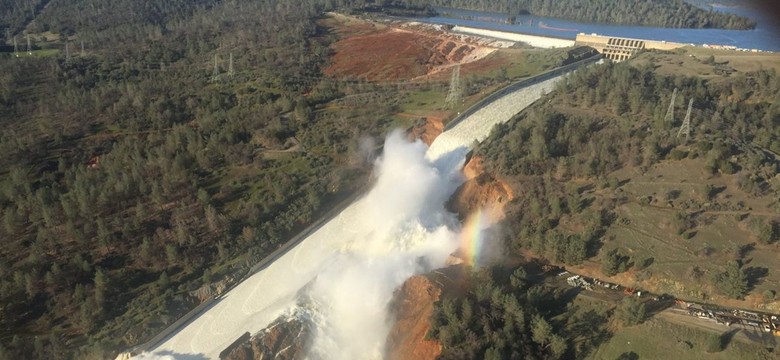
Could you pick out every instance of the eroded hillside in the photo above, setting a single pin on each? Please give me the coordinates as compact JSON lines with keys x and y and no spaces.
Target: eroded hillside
{"x":400,"y":51}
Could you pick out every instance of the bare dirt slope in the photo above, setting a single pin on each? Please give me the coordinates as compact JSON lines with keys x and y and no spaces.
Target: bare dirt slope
{"x":399,"y":51}
{"x":413,"y":306}
{"x":426,"y":129}
{"x":480,"y":191}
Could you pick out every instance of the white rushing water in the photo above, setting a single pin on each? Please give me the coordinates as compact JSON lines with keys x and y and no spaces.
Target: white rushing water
{"x":345,"y":273}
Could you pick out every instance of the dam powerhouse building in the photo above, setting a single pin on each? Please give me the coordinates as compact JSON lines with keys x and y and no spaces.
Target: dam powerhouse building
{"x":619,"y":49}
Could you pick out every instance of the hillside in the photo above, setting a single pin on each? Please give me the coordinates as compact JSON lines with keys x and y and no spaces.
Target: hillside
{"x":604,"y":187}
{"x":604,"y":184}
{"x":150,"y":171}
{"x":133,"y":179}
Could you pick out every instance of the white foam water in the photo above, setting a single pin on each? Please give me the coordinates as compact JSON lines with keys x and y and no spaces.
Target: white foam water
{"x":346,"y":271}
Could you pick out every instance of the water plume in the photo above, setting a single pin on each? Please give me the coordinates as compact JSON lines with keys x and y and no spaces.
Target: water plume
{"x":405,"y":231}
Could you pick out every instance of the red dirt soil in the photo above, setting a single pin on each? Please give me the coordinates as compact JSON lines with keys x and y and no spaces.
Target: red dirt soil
{"x":414,"y":309}
{"x":481,"y":190}
{"x":427,"y":129}
{"x":392,"y":53}
{"x":413,"y":306}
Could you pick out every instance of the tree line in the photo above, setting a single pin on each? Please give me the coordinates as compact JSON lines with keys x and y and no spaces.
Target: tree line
{"x":506,"y":315}
{"x":132,"y":176}
{"x":551,"y":148}
{"x":663,"y":13}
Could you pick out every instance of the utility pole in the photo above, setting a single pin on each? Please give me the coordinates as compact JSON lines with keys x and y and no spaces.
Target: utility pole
{"x":82,"y":49}
{"x":215,"y":77}
{"x":29,"y":48}
{"x":456,"y":89}
{"x":685,"y":129}
{"x":67,"y":50}
{"x":16,"y":48}
{"x":670,"y":113}
{"x":230,"y":67}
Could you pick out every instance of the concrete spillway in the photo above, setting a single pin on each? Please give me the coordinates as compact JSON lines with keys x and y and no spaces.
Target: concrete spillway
{"x":260,"y":299}
{"x":477,"y":126}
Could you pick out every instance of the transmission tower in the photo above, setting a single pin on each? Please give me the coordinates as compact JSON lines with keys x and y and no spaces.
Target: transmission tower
{"x":685,"y":129}
{"x":670,"y":113}
{"x":456,"y":89}
{"x":230,"y":67}
{"x":29,"y":48}
{"x":215,"y":77}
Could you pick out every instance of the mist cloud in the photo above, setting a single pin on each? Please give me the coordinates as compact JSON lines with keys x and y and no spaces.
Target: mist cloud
{"x":405,"y":231}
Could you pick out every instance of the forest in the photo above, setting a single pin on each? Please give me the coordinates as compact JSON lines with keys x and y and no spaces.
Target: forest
{"x":506,"y":315}
{"x":662,"y":13}
{"x":170,"y":152}
{"x":174,"y":144}
{"x":603,"y":119}
{"x":611,"y":117}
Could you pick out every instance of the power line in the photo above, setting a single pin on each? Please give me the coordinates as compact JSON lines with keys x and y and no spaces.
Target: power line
{"x":685,"y":129}
{"x":670,"y":113}
{"x":456,"y":89}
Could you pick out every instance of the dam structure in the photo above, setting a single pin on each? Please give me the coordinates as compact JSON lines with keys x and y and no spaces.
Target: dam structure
{"x":340,"y":274}
{"x":621,"y":49}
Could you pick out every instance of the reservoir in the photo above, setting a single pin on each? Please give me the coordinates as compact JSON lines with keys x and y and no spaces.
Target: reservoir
{"x":763,"y":37}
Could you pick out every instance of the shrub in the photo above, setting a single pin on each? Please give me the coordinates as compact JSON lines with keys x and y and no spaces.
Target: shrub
{"x":727,"y":167}
{"x":677,"y":154}
{"x":631,"y":311}
{"x":714,"y":343}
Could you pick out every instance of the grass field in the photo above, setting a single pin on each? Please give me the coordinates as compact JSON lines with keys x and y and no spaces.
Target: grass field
{"x":660,"y":339}
{"x":716,"y":233}
{"x":665,"y":335}
{"x":692,"y":61}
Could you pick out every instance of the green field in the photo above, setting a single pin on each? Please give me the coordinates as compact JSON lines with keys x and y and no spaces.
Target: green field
{"x":660,"y":339}
{"x":716,"y":233}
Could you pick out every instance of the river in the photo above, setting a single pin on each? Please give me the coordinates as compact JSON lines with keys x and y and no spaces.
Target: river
{"x":763,"y":37}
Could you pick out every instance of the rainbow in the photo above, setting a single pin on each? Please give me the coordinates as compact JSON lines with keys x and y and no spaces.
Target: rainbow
{"x":471,"y":237}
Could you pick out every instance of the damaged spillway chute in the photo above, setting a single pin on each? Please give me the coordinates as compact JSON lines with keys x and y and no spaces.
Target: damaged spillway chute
{"x":343,"y":275}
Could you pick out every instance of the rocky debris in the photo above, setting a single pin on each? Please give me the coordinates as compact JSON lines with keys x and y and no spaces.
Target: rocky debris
{"x":481,"y":190}
{"x":287,"y":338}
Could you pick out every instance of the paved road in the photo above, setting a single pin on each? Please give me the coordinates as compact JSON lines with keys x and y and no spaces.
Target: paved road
{"x":744,"y":333}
